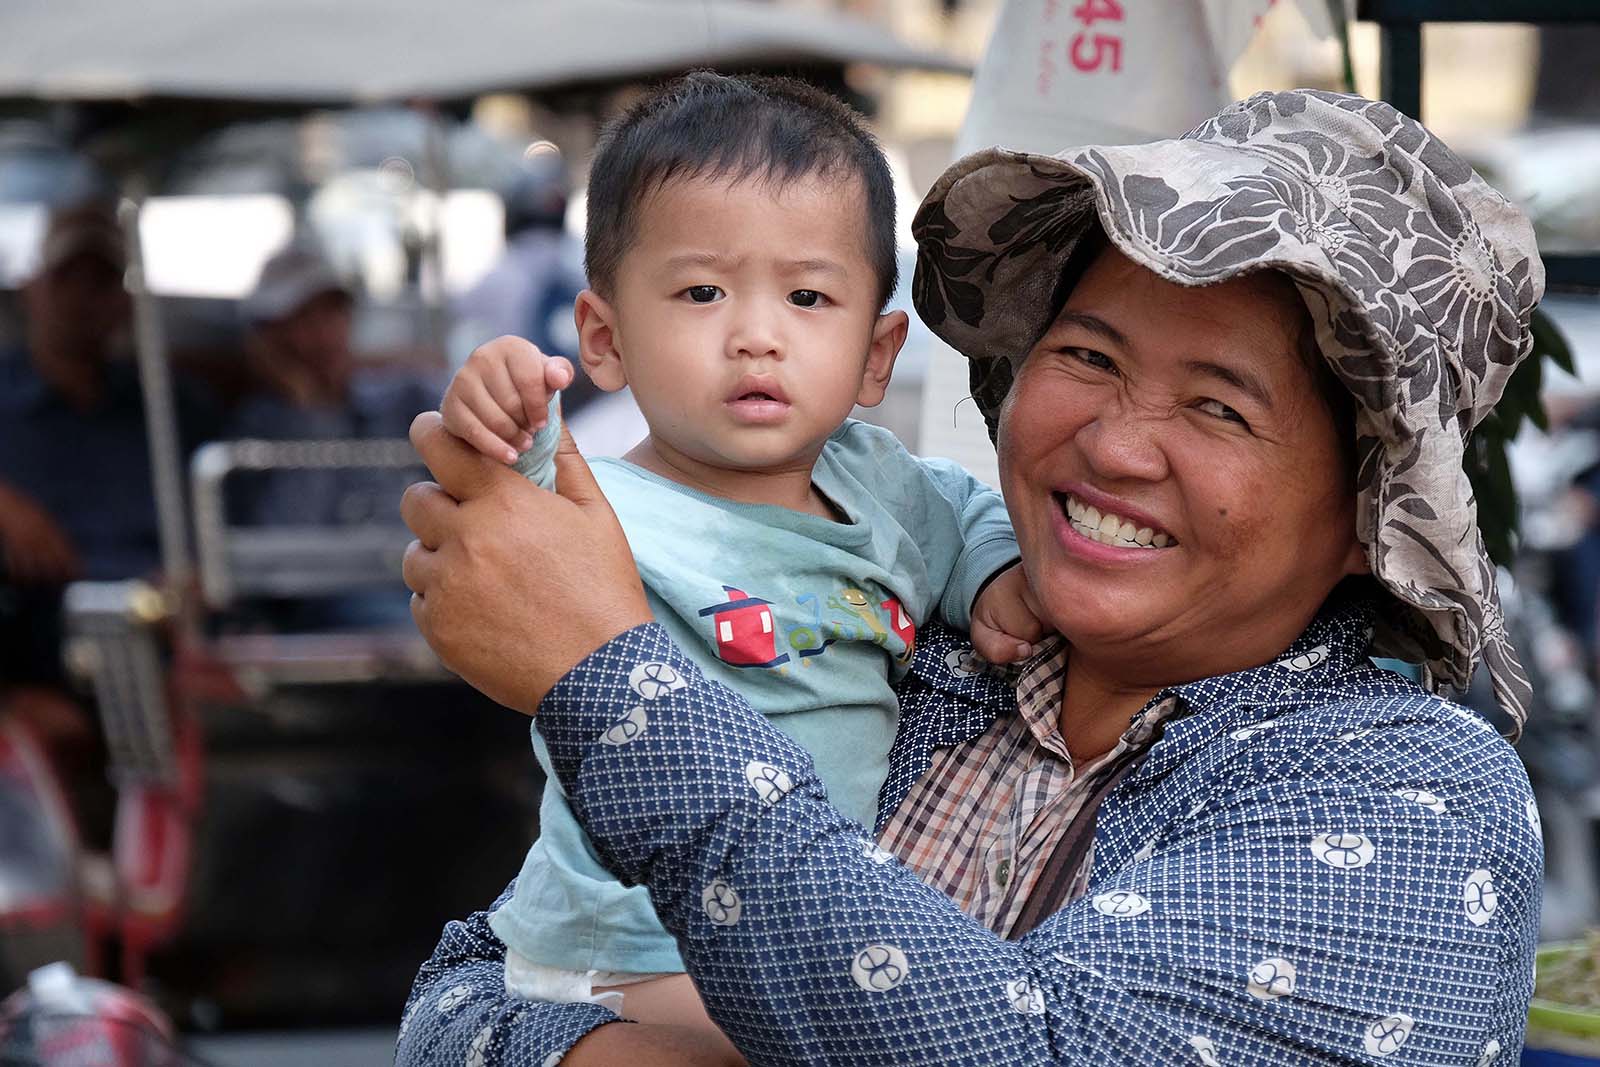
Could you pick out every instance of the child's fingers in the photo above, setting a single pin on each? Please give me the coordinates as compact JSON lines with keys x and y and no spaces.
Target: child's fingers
{"x":497,"y":382}
{"x":461,"y":421}
{"x":530,"y":378}
{"x":558,"y":373}
{"x":475,"y":395}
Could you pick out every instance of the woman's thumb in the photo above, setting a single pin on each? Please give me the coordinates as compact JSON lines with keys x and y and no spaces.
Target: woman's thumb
{"x":574,"y":479}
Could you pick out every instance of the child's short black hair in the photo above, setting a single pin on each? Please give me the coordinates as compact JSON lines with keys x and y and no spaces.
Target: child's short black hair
{"x":707,"y":124}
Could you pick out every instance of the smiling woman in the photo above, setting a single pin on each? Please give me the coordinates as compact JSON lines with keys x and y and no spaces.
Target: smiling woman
{"x":1200,"y":827}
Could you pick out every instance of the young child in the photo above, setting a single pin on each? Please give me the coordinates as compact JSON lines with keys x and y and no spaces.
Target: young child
{"x":740,"y":251}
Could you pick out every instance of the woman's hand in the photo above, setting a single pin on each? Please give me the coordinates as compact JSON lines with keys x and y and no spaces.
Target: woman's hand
{"x":512,"y":585}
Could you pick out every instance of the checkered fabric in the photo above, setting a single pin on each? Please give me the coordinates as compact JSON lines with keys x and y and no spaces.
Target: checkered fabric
{"x":1319,"y":863}
{"x":981,"y":823}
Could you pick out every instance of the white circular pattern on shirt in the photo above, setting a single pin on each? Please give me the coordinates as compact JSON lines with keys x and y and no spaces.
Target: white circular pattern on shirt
{"x":453,"y":998}
{"x":1355,"y":735}
{"x":1206,"y":1050}
{"x":1245,"y":733}
{"x":964,"y":662}
{"x":1146,"y":850}
{"x":1307,"y":660}
{"x":771,"y":783}
{"x":722,"y":905}
{"x":1272,"y":978}
{"x":551,"y":1060}
{"x":1120,"y":904}
{"x":1423,"y":797}
{"x":1490,"y":1053}
{"x":1385,"y":1036}
{"x":478,"y":1051}
{"x":654,"y":680}
{"x":1025,"y":997}
{"x":630,"y":727}
{"x":1534,"y":820}
{"x":879,"y":968}
{"x":1479,"y":897}
{"x":1344,"y":851}
{"x":874,"y":853}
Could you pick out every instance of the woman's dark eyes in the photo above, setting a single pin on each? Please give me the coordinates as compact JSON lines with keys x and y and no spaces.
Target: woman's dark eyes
{"x":702,"y":294}
{"x":1221,"y":411}
{"x":1095,"y":359}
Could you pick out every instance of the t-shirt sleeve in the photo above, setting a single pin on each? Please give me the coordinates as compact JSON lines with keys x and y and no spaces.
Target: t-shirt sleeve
{"x":538,"y":463}
{"x":986,"y":543}
{"x":959,"y":524}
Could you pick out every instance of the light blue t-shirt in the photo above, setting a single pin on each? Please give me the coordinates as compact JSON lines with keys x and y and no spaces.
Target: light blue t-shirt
{"x":812,"y":620}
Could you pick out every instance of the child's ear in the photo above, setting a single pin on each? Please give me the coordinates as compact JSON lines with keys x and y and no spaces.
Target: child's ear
{"x":597,"y":341}
{"x":888,"y":334}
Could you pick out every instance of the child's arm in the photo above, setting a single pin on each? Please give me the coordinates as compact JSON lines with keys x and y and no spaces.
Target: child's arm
{"x":1006,"y":621}
{"x":501,"y":396}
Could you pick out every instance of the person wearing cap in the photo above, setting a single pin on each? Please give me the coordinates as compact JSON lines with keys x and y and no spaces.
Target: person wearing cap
{"x":1202,"y":827}
{"x":75,"y":483}
{"x":76,"y":491}
{"x":299,"y":320}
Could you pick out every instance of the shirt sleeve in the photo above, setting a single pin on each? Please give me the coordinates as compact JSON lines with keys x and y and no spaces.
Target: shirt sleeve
{"x":987,"y":544}
{"x":538,"y":463}
{"x":460,"y":1012}
{"x":1259,"y":931}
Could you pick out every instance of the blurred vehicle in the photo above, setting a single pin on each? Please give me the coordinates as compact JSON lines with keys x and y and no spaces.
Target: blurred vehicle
{"x":298,"y":810}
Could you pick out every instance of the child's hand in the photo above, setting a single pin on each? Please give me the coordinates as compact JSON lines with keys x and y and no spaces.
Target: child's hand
{"x":498,"y":399}
{"x":1005,"y":619}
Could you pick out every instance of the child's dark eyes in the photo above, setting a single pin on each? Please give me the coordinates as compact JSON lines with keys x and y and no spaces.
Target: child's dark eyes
{"x":807,"y":298}
{"x":703,"y":294}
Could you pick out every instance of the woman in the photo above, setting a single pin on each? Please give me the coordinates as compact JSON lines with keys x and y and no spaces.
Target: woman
{"x":1201,"y":828}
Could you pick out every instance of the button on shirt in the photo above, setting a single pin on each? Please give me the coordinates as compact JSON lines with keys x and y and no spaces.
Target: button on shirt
{"x":981,"y":824}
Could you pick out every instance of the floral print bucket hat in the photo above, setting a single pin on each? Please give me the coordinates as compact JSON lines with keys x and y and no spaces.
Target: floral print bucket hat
{"x":1420,"y":280}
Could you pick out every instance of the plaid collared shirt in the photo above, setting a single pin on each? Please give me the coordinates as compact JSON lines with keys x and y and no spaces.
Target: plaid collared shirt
{"x":980,"y":825}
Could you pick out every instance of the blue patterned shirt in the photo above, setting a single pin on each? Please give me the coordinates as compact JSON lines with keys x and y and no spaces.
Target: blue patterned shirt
{"x":1317,"y":863}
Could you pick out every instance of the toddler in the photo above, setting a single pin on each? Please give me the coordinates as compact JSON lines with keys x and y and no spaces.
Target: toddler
{"x":740,"y":252}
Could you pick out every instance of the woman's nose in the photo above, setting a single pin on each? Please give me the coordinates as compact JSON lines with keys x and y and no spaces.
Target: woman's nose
{"x":1124,"y":441}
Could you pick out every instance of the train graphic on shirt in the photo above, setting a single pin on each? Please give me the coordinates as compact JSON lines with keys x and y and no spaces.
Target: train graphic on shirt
{"x":747,"y":631}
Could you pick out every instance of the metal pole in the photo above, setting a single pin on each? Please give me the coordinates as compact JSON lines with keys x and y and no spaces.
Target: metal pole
{"x":1400,"y":67}
{"x":155,"y":381}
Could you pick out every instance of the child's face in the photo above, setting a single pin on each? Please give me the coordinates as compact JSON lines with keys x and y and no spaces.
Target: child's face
{"x":745,"y":319}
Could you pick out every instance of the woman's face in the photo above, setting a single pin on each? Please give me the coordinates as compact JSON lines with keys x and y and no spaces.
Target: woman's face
{"x":1188,"y":417}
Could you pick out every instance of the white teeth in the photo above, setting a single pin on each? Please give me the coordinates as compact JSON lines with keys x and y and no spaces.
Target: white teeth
{"x":1111,"y":529}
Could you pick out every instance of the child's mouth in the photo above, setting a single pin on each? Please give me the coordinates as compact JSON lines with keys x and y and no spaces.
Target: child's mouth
{"x":757,"y":398}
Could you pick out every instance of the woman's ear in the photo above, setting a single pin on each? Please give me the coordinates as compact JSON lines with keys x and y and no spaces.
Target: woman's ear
{"x":888,"y":335}
{"x":597,"y":341}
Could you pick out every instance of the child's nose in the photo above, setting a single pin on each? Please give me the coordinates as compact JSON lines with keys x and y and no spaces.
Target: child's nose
{"x":754,"y":334}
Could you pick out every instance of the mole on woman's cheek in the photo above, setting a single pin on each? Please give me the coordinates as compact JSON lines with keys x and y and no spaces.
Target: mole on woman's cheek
{"x":1222,"y":513}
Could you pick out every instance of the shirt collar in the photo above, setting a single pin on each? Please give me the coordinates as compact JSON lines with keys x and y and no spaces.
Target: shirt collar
{"x":1336,"y":640}
{"x":1039,"y":683}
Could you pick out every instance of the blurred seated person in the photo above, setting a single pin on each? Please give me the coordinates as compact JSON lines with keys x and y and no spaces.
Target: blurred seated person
{"x":299,"y":324}
{"x":76,"y":492}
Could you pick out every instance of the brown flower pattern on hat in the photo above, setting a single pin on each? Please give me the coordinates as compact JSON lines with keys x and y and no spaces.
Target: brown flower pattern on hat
{"x":1420,"y":280}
